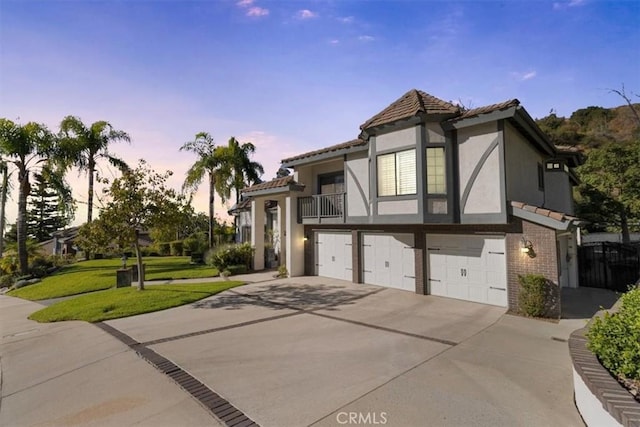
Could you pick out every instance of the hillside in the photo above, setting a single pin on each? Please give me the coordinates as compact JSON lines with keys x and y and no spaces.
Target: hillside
{"x":592,"y":127}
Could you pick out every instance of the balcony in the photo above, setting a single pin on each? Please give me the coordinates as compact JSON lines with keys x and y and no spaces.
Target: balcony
{"x":322,"y":209}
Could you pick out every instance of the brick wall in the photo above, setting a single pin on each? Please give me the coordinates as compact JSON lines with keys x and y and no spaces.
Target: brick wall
{"x":545,"y":262}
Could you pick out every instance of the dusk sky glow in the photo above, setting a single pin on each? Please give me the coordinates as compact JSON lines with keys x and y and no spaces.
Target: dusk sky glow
{"x":294,"y":76}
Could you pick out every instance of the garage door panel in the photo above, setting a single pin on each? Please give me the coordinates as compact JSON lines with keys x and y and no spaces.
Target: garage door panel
{"x":389,"y":260}
{"x":333,"y":255}
{"x":471,"y":268}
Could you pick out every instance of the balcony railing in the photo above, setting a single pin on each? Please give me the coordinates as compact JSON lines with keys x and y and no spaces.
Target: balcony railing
{"x":320,"y":206}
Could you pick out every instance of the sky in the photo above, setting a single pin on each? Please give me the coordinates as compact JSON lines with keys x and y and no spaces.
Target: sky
{"x":294,"y":76}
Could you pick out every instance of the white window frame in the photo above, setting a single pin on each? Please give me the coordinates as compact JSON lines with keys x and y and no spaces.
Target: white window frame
{"x":404,"y":178}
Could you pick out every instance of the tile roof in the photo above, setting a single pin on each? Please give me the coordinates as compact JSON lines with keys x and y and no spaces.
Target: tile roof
{"x":409,"y":105}
{"x":269,"y":185}
{"x":558,"y":216}
{"x":348,"y":144}
{"x":487,"y":109}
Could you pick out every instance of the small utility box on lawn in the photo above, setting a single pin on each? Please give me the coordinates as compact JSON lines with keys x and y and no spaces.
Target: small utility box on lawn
{"x":123,"y":277}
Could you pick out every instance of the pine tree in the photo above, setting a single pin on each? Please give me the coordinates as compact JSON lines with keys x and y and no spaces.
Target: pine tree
{"x":45,"y":214}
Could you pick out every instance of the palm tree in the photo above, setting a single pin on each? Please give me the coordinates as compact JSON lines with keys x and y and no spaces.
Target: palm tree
{"x":4,"y":186}
{"x":28,"y":147}
{"x":210,"y":164}
{"x":88,"y":144}
{"x":239,"y":169}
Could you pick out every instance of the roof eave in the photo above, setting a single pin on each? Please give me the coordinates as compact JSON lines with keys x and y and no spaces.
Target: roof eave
{"x":480,"y":119}
{"x":324,"y":156}
{"x":277,"y":190}
{"x":545,"y":221}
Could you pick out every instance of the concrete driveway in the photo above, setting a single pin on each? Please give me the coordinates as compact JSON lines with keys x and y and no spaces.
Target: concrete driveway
{"x":316,"y":351}
{"x":311,"y":350}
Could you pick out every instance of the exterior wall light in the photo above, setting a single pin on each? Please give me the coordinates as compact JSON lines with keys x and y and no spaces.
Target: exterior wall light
{"x":526,"y":247}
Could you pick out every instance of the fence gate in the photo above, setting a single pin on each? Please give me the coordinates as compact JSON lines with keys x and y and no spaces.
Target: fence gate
{"x":609,"y":265}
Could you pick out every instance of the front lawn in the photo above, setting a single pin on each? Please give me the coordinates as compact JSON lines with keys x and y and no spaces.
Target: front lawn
{"x":96,"y":275}
{"x":124,"y":302}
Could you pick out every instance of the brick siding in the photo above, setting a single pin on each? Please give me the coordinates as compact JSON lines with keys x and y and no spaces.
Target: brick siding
{"x":544,"y":263}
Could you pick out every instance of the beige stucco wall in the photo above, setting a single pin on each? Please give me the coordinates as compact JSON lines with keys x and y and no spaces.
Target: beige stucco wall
{"x":398,"y":139}
{"x":484,"y":196}
{"x":398,"y":207}
{"x":435,"y":134}
{"x":522,"y":168}
{"x":357,"y":184}
{"x":558,"y":192}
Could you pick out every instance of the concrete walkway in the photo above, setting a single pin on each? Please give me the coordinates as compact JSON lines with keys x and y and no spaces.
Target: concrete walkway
{"x":294,"y":352}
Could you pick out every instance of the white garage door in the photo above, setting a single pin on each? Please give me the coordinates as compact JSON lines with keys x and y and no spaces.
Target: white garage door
{"x":471,"y":268}
{"x":388,"y":260}
{"x":333,"y":255}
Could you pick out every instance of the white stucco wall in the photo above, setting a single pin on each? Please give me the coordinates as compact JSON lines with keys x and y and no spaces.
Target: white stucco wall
{"x":521,"y":163}
{"x":397,"y":139}
{"x":398,"y":207}
{"x":357,"y":184}
{"x":484,"y":196}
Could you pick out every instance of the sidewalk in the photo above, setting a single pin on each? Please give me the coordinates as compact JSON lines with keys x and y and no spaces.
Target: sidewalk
{"x":72,"y":373}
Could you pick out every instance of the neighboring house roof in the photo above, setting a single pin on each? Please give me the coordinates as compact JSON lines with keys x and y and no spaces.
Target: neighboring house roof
{"x":546,"y":217}
{"x":409,"y":105}
{"x":327,"y":152}
{"x":277,"y":185}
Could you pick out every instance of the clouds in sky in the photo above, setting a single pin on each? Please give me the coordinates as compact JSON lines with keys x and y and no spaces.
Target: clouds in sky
{"x":524,"y":76}
{"x":251,"y":9}
{"x":570,"y":3}
{"x":306,"y":14}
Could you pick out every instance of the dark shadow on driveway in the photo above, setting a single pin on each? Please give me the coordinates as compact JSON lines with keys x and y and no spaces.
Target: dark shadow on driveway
{"x":584,"y":303}
{"x":288,"y":295}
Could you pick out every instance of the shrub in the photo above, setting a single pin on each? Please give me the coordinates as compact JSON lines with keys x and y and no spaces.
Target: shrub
{"x":164,"y":248}
{"x":39,"y":266}
{"x":7,"y":280}
{"x":227,"y":255}
{"x":196,"y":243}
{"x":237,"y":269}
{"x":282,"y":271}
{"x":533,"y":291}
{"x":615,"y":338}
{"x":9,"y":263}
{"x":175,"y":248}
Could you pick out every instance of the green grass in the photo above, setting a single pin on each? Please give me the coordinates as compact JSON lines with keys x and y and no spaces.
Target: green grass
{"x":124,"y":302}
{"x":96,"y":275}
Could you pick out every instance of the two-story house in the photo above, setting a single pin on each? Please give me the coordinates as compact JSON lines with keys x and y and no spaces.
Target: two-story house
{"x":430,"y":199}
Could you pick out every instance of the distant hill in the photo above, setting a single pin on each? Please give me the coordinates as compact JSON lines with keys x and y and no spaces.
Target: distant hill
{"x":592,"y":127}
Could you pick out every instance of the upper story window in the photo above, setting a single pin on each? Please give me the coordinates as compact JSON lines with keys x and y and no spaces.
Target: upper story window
{"x":397,"y":173}
{"x":331,"y":183}
{"x":436,"y":176}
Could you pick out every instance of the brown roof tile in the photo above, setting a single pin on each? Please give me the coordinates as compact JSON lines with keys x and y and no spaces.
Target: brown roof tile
{"x":408,"y":105}
{"x":274,"y":183}
{"x":348,"y":144}
{"x":487,"y":109}
{"x":559,"y":216}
